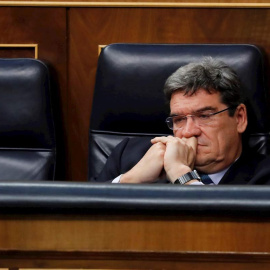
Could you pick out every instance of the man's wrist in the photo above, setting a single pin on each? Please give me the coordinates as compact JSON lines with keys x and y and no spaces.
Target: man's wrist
{"x":177,"y":172}
{"x":130,"y":177}
{"x":188,"y":177}
{"x":125,"y":178}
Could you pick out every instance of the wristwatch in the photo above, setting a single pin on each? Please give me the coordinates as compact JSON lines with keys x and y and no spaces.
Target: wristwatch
{"x":187,"y":177}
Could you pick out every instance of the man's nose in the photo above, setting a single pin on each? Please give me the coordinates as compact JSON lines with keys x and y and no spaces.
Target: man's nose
{"x":191,"y":129}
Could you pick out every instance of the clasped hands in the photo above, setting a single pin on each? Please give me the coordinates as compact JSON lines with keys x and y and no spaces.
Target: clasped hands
{"x":168,"y":157}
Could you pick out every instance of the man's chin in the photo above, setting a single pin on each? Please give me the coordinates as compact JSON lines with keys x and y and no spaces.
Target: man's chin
{"x":209,"y":165}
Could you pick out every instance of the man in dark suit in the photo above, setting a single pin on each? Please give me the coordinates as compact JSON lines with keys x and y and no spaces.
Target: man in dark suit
{"x":208,"y":118}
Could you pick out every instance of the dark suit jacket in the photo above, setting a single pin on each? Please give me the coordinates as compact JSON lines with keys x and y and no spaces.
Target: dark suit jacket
{"x":251,"y":168}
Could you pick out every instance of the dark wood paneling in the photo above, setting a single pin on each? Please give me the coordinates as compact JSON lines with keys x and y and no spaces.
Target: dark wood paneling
{"x":47,"y":28}
{"x":142,"y":3}
{"x":53,"y":260}
{"x":97,"y":26}
{"x":17,"y":52}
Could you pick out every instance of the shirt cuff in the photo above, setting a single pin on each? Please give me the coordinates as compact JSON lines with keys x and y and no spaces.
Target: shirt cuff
{"x":117,"y":179}
{"x":196,"y":183}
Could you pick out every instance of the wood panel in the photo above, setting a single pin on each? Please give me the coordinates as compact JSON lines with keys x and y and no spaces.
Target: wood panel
{"x":18,"y":51}
{"x":134,"y":234}
{"x":135,"y":261}
{"x":47,"y":28}
{"x":140,"y":3}
{"x":97,"y":26}
{"x":134,"y":242}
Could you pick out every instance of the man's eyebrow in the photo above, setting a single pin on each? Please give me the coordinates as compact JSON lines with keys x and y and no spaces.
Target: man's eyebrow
{"x":208,"y":108}
{"x":204,"y":109}
{"x":175,"y":114}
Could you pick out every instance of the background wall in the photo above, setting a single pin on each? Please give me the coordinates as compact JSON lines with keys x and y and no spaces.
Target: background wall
{"x":68,"y":40}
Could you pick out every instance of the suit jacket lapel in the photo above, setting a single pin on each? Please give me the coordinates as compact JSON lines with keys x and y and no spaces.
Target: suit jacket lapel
{"x":243,"y":170}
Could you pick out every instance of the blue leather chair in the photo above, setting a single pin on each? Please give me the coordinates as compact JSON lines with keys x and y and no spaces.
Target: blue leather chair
{"x":129,"y":100}
{"x":27,"y":138}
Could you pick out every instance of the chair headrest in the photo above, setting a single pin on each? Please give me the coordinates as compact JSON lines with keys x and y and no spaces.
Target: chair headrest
{"x":130,"y":78}
{"x":25,"y":107}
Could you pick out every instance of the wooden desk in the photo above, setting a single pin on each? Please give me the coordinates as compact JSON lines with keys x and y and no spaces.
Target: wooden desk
{"x":128,"y":242}
{"x":145,"y":233}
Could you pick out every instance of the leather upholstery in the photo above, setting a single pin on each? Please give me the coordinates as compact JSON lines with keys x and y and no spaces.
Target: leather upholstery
{"x":27,"y":139}
{"x":129,"y":100}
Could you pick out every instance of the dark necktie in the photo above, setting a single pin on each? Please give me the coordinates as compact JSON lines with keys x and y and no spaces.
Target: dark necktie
{"x":206,"y":179}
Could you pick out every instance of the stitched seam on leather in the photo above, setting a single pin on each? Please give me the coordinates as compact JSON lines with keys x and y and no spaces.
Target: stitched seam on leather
{"x":126,"y":133}
{"x":28,"y":149}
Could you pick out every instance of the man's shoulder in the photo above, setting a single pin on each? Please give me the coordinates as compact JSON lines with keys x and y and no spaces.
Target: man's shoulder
{"x":251,"y":168}
{"x":134,"y":141}
{"x":253,"y":159}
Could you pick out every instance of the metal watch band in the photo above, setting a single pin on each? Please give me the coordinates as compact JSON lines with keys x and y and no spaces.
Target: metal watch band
{"x":187,"y":177}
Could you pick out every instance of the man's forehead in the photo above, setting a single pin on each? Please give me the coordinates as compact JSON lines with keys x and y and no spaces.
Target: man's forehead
{"x":199,"y":95}
{"x":197,"y":92}
{"x":192,"y":103}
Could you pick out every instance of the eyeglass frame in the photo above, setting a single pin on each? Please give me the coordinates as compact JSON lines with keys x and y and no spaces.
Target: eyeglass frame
{"x":191,"y":115}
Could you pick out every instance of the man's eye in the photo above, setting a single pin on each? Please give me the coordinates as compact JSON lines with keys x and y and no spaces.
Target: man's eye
{"x":204,"y":116}
{"x":178,"y":120}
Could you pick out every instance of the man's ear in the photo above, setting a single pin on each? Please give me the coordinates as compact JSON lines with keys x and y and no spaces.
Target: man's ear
{"x":241,"y":118}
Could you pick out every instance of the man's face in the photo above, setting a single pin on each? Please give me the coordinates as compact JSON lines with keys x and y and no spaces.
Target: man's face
{"x":219,"y":141}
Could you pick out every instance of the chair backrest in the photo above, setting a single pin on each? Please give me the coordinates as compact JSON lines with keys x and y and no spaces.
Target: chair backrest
{"x":129,"y":99}
{"x":27,"y":139}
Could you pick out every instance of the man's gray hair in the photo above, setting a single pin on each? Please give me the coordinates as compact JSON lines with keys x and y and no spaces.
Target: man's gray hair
{"x":209,"y":74}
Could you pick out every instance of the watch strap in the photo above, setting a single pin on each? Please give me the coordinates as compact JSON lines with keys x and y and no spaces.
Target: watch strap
{"x":187,"y":177}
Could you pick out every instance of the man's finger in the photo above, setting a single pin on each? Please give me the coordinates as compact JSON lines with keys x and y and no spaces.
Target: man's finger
{"x":192,"y":142}
{"x":162,"y":139}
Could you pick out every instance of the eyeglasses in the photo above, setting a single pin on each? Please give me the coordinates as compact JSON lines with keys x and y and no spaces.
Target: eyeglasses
{"x":200,"y":119}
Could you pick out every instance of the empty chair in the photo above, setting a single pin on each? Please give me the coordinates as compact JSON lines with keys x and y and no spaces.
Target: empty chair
{"x":27,"y":138}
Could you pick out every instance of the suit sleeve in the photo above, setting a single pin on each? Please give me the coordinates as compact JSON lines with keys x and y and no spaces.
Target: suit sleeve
{"x":112,"y":168}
